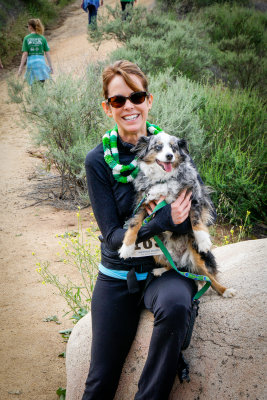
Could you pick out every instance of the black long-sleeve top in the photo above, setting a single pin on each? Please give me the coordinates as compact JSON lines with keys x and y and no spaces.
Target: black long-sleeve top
{"x":113,"y":203}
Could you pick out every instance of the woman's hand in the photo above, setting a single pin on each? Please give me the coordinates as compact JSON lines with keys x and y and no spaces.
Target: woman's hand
{"x":152,"y":204}
{"x":180,"y":207}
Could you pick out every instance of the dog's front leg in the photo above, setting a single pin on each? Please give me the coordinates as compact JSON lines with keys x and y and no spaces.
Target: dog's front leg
{"x":201,"y":232}
{"x":128,"y":244}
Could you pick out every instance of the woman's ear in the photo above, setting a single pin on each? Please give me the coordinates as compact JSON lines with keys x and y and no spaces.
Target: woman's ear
{"x":150,"y":101}
{"x":106,"y":108}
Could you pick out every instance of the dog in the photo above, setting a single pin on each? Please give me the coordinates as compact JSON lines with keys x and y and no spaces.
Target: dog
{"x":165,"y":169}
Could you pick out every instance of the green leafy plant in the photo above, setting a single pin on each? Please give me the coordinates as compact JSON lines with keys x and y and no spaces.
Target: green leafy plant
{"x":239,"y":38}
{"x":157,"y":42}
{"x":61,"y":393}
{"x":81,"y":252}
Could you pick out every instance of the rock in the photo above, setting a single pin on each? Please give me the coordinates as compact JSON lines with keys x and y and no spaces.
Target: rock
{"x":226,"y":353}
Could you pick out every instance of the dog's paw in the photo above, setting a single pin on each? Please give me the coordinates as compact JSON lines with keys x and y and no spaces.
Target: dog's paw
{"x":203,"y":241}
{"x":229,"y":292}
{"x":126,"y":251}
{"x":158,"y":271}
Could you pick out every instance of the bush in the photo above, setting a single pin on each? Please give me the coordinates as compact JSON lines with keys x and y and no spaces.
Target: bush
{"x":67,"y":119}
{"x":239,"y":36}
{"x":156,"y":42}
{"x":234,"y":125}
{"x":181,"y":48}
{"x":185,"y":6}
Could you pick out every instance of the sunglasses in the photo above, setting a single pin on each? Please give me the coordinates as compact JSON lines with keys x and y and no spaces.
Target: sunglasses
{"x":135,"y":98}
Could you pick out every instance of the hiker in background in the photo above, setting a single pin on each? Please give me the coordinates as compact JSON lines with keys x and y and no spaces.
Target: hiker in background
{"x":124,"y":5}
{"x":91,"y":6}
{"x":34,"y":48}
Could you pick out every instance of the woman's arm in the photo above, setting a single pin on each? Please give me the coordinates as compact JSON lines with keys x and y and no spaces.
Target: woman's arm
{"x":102,"y":200}
{"x":23,"y":61}
{"x":47,"y":54}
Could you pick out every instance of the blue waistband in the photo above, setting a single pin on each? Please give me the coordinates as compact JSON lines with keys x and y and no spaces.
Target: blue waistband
{"x":121,"y":274}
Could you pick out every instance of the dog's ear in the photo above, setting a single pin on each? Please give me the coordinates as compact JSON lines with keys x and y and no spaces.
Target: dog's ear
{"x":141,"y":146}
{"x":182,"y":143}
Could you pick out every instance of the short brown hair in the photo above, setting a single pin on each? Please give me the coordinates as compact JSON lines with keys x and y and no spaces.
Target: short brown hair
{"x":123,"y":68}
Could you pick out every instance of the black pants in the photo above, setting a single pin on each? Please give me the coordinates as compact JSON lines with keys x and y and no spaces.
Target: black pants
{"x":115,"y":316}
{"x":92,"y":14}
{"x":125,"y":4}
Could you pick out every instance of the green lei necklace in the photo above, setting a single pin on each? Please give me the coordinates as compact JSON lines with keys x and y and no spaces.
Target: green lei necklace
{"x":111,"y":154}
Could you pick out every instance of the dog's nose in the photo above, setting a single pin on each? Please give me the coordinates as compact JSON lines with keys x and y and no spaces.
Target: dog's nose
{"x":169,"y":157}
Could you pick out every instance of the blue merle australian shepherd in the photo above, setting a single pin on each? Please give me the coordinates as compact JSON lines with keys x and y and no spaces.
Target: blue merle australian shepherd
{"x":165,"y":170}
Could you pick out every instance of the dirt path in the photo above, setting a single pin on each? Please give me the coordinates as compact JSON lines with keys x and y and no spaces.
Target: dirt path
{"x":30,"y":368}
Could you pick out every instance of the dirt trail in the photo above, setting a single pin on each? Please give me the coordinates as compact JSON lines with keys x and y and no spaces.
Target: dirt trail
{"x":30,"y":368}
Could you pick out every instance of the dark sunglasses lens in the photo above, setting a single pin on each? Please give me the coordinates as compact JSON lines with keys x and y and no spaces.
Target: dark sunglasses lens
{"x":138,"y":97}
{"x":117,"y":101}
{"x":135,"y":98}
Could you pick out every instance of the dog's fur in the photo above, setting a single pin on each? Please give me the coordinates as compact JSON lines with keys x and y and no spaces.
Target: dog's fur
{"x":165,"y":170}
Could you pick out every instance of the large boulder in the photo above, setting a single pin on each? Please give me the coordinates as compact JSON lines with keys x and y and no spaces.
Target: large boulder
{"x":226,"y":354}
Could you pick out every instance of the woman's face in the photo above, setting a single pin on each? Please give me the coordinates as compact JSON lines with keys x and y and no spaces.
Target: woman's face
{"x":130,"y":118}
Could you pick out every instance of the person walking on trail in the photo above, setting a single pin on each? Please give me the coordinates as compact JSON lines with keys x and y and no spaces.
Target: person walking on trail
{"x":127,"y":3}
{"x":34,"y":48}
{"x":91,"y":6}
{"x":125,"y":286}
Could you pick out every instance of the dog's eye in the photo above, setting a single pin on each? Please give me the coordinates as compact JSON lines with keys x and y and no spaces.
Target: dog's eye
{"x":158,"y":147}
{"x":174,"y":147}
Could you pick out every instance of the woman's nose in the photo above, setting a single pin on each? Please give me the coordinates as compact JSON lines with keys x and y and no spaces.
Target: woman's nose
{"x":128,"y":104}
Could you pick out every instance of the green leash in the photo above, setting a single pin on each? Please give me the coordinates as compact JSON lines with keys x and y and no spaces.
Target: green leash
{"x":169,"y":257}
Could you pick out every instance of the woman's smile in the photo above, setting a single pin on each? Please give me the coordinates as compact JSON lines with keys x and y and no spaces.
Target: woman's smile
{"x":132,"y":117}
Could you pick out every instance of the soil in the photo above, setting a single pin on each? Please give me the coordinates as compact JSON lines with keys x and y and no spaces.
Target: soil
{"x":30,"y":368}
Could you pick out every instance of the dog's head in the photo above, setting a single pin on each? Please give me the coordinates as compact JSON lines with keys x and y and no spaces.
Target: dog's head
{"x":166,"y":151}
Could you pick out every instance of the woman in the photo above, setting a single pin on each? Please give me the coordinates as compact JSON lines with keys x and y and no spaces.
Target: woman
{"x":34,"y":47}
{"x":121,"y":289}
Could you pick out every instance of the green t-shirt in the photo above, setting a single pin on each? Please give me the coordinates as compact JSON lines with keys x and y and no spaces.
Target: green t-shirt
{"x":35,"y":44}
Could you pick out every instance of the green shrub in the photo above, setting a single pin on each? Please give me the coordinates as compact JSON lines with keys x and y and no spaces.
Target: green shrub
{"x":240,"y":39}
{"x":157,"y":43}
{"x":185,"y":6}
{"x":66,"y":118}
{"x":181,"y":48}
{"x":234,"y":125}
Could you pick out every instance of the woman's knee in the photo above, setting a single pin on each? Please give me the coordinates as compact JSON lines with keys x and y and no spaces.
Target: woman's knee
{"x":173,"y":313}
